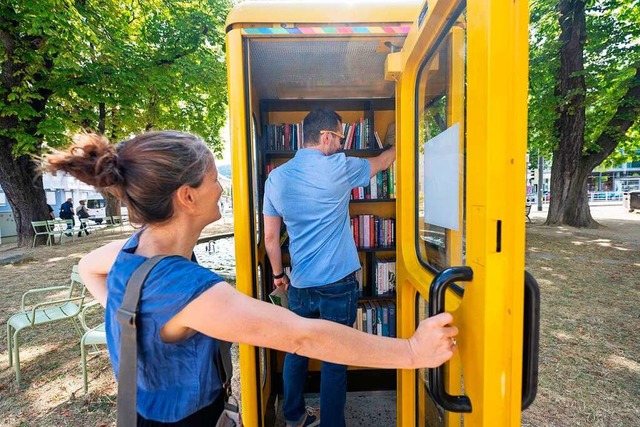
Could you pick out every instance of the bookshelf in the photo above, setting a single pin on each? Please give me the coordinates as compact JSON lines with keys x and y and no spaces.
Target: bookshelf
{"x":281,"y":135}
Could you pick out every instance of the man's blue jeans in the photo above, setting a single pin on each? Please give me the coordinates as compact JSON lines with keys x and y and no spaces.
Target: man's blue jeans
{"x":337,"y":302}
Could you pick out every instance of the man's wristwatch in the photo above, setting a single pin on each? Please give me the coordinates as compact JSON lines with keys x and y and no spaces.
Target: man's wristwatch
{"x":278,"y":276}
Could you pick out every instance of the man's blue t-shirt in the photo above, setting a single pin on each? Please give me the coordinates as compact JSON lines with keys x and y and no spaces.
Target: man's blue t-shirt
{"x":174,"y":379}
{"x":311,"y":194}
{"x":66,"y":210}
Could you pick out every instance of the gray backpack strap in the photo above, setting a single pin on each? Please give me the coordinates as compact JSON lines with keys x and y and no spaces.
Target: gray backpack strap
{"x":224,"y":366}
{"x":127,"y":369}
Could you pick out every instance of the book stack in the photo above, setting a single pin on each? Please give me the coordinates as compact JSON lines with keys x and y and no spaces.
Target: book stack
{"x":377,"y":318}
{"x":381,"y":187}
{"x":371,"y":231}
{"x":284,"y":137}
{"x":356,"y":135}
{"x":384,"y":283}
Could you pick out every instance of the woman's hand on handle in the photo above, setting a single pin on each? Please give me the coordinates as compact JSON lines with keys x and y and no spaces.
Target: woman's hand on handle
{"x":433,"y":342}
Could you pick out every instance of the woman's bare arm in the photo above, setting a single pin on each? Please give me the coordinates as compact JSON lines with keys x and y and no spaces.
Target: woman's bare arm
{"x":224,"y":313}
{"x":95,"y":266}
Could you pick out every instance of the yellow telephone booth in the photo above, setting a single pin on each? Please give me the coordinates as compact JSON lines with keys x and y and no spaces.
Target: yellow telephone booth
{"x":446,"y":81}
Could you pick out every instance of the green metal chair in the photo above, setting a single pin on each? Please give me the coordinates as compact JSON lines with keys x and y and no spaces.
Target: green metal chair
{"x":117,"y":222}
{"x":41,"y":228}
{"x":93,"y":337}
{"x":111,"y":224}
{"x":59,"y":228}
{"x":45,"y":311}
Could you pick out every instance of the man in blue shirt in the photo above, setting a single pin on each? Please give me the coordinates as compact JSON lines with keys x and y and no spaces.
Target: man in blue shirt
{"x":310,"y":193}
{"x":66,"y":212}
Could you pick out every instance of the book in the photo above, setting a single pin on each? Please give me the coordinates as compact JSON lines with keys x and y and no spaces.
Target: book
{"x":279,"y":297}
{"x":378,"y":141}
{"x":390,"y":137}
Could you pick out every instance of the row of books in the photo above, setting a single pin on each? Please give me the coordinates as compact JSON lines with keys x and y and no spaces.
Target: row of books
{"x":384,"y":282}
{"x":290,"y":136}
{"x":371,"y":231}
{"x":377,"y":318}
{"x":284,"y":137}
{"x":356,"y":135}
{"x":381,"y":186}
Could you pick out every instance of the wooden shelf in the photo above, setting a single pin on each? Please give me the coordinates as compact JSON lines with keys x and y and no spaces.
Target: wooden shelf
{"x":291,"y":153}
{"x":372,"y":200}
{"x":377,"y":298}
{"x":377,"y":249}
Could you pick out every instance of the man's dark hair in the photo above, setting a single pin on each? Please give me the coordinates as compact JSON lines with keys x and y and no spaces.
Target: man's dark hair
{"x":317,"y":120}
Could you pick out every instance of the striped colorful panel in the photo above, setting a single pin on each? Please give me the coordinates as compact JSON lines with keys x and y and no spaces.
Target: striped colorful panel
{"x":391,"y":29}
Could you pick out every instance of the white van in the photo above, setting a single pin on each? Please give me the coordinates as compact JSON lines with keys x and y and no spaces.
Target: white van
{"x":96,"y":206}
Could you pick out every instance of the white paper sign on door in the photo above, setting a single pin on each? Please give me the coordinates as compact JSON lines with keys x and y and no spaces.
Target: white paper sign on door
{"x":441,"y":179}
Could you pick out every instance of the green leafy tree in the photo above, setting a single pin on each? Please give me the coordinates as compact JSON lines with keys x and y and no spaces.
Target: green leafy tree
{"x":114,"y":67}
{"x":584,"y":94}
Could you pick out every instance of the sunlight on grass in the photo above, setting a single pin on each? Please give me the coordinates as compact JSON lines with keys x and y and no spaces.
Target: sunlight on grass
{"x":74,"y":255}
{"x":623,"y":362}
{"x":621,"y":249}
{"x":28,"y":352}
{"x":564,"y":336}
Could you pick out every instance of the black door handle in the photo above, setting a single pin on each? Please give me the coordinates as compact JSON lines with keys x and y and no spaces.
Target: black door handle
{"x":530,"y":340}
{"x":437,"y":291}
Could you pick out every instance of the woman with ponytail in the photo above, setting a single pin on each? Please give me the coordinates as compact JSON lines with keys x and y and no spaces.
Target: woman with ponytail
{"x":169,"y":183}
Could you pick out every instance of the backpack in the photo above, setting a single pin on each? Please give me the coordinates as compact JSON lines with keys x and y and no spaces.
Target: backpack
{"x":82,"y":212}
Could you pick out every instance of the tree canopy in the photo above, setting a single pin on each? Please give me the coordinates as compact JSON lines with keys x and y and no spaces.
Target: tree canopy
{"x":110,"y":66}
{"x":584,"y":74}
{"x":611,"y":54}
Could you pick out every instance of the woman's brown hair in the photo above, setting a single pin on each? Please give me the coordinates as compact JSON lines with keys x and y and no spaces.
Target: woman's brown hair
{"x":143,"y":172}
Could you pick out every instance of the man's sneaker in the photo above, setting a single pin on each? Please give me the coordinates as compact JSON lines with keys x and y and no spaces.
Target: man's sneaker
{"x":311,"y":419}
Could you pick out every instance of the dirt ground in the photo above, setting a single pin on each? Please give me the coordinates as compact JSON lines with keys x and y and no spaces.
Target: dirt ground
{"x":590,"y":340}
{"x":590,"y":321}
{"x":51,"y":391}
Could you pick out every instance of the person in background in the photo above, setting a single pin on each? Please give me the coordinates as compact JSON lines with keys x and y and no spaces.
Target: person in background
{"x":323,"y":253}
{"x":51,"y":214}
{"x":83,"y":213}
{"x":66,"y":212}
{"x":169,"y":182}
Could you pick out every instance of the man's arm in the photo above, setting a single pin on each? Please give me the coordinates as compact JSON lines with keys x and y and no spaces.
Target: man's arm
{"x":382,"y":161}
{"x":272,"y":243}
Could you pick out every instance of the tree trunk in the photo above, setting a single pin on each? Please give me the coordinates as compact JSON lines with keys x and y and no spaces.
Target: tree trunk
{"x":112,"y":204}
{"x":569,"y":199}
{"x":25,"y":193}
{"x":569,"y":171}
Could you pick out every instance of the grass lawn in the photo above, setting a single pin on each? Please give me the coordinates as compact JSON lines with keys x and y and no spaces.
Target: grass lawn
{"x":590,"y":332}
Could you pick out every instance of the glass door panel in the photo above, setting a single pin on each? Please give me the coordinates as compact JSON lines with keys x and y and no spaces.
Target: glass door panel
{"x":440,"y":168}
